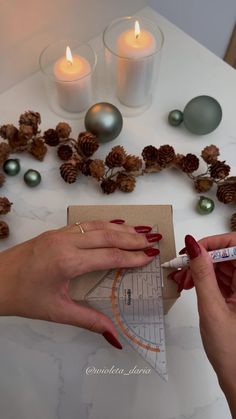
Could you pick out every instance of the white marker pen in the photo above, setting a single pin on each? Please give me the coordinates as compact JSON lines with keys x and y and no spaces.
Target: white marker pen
{"x":219,"y":255}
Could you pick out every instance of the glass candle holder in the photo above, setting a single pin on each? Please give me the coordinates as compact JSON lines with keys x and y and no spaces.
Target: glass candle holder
{"x":68,"y":69}
{"x":132,"y":54}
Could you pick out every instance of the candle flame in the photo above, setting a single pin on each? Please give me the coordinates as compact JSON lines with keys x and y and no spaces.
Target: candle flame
{"x":69,"y":57}
{"x":137,"y":29}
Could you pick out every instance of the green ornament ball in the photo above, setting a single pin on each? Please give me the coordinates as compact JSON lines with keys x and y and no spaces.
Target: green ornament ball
{"x":32,"y":178}
{"x":175,"y":118}
{"x":205,"y":205}
{"x":104,"y":120}
{"x":202,"y":115}
{"x":11,"y":167}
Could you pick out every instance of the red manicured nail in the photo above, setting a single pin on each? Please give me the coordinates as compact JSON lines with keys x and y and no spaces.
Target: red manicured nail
{"x":143,"y":229}
{"x":152,"y":252}
{"x":112,"y":339}
{"x":153,"y":237}
{"x":182,"y":251}
{"x":192,"y":247}
{"x":172,"y":275}
{"x":117,"y":221}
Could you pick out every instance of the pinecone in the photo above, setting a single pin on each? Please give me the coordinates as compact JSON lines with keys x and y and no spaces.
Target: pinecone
{"x":84,"y":167}
{"x":8,"y":131}
{"x":2,"y":179}
{"x":97,"y":169}
{"x":116,"y":157}
{"x":4,"y":152}
{"x":233,"y":222}
{"x":87,"y":144}
{"x":68,"y":172}
{"x":150,"y":154}
{"x":65,"y":151}
{"x":63,"y":130}
{"x":125,"y":183}
{"x":25,"y":132}
{"x":31,"y":118}
{"x":219,"y":170}
{"x":178,"y":160}
{"x":108,"y":186}
{"x":38,"y":148}
{"x":166,"y":155}
{"x":210,"y":154}
{"x":51,"y":137}
{"x":226,"y":193}
{"x":203,"y":184}
{"x":189,"y":163}
{"x":4,"y":230}
{"x":132,"y":163}
{"x":5,"y":205}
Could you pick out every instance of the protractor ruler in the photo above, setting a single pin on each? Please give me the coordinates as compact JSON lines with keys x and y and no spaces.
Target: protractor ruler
{"x":132,"y":299}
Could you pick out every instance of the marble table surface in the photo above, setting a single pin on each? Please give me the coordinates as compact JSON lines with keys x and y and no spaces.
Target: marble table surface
{"x":44,"y":365}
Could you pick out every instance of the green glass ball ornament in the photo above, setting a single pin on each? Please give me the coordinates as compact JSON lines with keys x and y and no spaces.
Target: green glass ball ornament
{"x":11,"y":167}
{"x":205,"y":205}
{"x":32,"y":178}
{"x":104,"y":120}
{"x":202,"y":115}
{"x":175,"y":118}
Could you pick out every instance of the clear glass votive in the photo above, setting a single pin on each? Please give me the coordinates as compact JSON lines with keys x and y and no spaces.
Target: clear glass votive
{"x":68,"y":70}
{"x":132,"y":55}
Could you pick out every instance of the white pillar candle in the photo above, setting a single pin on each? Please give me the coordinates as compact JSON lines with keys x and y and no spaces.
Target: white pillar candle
{"x":73,"y":82}
{"x":135,"y":66}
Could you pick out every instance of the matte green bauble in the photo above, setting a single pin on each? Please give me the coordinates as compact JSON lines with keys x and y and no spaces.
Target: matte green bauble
{"x":205,"y":205}
{"x":104,"y":120}
{"x":32,"y":177}
{"x":175,"y":118}
{"x":11,"y":167}
{"x":202,"y":115}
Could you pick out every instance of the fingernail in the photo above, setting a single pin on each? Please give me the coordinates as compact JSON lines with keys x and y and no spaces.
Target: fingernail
{"x":112,"y":339}
{"x":192,"y":247}
{"x":182,"y":251}
{"x":152,"y":252}
{"x":117,"y":221}
{"x":172,"y":275}
{"x":143,"y":229}
{"x":153,"y":237}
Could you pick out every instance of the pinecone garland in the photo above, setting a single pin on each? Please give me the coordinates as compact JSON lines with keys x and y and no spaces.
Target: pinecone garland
{"x":68,"y":172}
{"x":166,"y":155}
{"x":63,"y":130}
{"x":2,"y":179}
{"x":97,"y":169}
{"x":108,"y":186}
{"x":65,"y":151}
{"x":4,"y":230}
{"x":150,"y":154}
{"x":25,"y":133}
{"x":84,"y":167}
{"x":210,"y":154}
{"x":203,"y":184}
{"x":219,"y":170}
{"x":8,"y":132}
{"x":226,"y":193}
{"x":4,"y":152}
{"x":31,"y":118}
{"x":87,"y":144}
{"x":5,"y":205}
{"x":116,"y":157}
{"x":233,"y":222}
{"x":126,"y":183}
{"x":51,"y":137}
{"x":38,"y":148}
{"x":189,"y":163}
{"x":132,"y":163}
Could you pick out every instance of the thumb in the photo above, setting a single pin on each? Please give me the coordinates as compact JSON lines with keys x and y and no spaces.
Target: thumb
{"x":88,"y":318}
{"x":203,"y":275}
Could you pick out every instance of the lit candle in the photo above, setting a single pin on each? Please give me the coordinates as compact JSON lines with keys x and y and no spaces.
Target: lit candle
{"x":74,"y":84}
{"x":135,"y":65}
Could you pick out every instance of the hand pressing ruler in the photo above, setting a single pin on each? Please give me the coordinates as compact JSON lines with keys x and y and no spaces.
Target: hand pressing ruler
{"x":132,"y":299}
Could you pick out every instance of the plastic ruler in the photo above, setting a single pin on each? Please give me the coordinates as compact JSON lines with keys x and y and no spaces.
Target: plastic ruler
{"x":132,"y":299}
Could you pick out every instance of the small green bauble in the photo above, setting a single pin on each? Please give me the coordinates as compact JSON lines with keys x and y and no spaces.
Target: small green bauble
{"x":202,"y":115}
{"x":175,"y":117}
{"x":11,"y":167}
{"x":205,"y":205}
{"x":32,"y":177}
{"x":104,"y":120}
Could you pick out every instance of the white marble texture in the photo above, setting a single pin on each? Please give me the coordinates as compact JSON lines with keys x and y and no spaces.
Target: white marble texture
{"x":42,"y":364}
